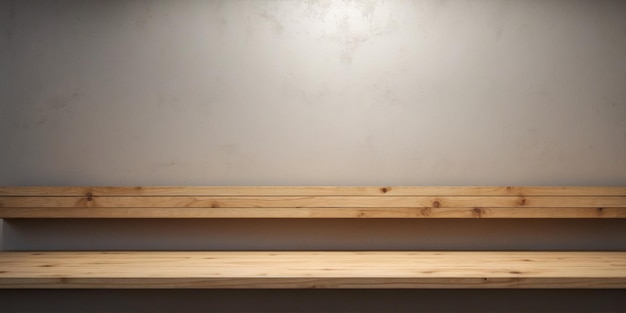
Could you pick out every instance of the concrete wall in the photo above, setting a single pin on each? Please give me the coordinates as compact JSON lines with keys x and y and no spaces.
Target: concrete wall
{"x":313,"y":93}
{"x":317,"y":92}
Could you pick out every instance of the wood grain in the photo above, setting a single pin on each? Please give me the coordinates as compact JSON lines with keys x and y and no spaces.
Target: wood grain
{"x":313,"y":190}
{"x":313,"y":202}
{"x":418,"y":212}
{"x":243,"y":269}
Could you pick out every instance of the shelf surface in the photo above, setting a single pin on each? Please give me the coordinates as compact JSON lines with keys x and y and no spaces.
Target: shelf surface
{"x":313,"y":202}
{"x":297,"y":269}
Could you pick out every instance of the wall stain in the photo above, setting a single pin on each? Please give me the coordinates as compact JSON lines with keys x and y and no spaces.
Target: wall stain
{"x":355,"y":24}
{"x":11,"y":9}
{"x":62,"y":103}
{"x":169,"y":100}
{"x":277,"y":27}
{"x":58,"y":106}
{"x":143,"y":19}
{"x":10,"y":27}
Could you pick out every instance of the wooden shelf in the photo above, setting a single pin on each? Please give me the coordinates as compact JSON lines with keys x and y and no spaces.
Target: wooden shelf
{"x":313,"y":202}
{"x":294,"y":269}
{"x":80,"y":191}
{"x":242,"y":269}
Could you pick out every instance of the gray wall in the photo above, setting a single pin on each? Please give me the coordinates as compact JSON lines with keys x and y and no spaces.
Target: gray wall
{"x":318,"y":92}
{"x":313,"y":93}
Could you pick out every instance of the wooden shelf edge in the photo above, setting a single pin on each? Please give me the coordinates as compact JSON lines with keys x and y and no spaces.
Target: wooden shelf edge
{"x":313,"y":190}
{"x":317,"y":283}
{"x":320,"y":213}
{"x":312,"y":269}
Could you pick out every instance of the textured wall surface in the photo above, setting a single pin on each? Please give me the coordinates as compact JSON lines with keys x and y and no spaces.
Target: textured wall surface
{"x":314,"y":92}
{"x":343,"y":92}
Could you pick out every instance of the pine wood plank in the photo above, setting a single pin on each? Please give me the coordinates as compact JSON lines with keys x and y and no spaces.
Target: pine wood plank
{"x":246,"y":269}
{"x":314,"y":201}
{"x":417,"y":212}
{"x":313,"y":190}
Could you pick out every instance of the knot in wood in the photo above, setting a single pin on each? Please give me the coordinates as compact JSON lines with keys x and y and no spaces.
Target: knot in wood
{"x":478,"y":212}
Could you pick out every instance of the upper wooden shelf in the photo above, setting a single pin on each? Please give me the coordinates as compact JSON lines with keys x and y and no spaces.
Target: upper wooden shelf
{"x":313,"y":202}
{"x":310,"y":269}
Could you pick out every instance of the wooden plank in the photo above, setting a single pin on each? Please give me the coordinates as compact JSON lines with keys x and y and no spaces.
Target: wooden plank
{"x":313,"y":190}
{"x":314,"y":201}
{"x":425,"y":212}
{"x":244,"y":269}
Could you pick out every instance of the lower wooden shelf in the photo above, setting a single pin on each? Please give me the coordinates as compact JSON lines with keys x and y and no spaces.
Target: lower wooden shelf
{"x":297,"y":269}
